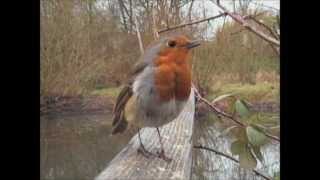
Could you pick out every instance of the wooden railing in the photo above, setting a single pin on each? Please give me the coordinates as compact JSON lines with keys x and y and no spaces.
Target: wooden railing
{"x":177,"y":140}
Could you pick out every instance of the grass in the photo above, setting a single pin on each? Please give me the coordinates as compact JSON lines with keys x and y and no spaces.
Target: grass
{"x":110,"y":92}
{"x":265,"y":118}
{"x":254,"y":93}
{"x":259,"y":92}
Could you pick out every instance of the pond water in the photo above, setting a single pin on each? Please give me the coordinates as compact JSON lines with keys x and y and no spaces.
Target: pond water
{"x":208,"y":165}
{"x":79,"y":147}
{"x":76,"y":146}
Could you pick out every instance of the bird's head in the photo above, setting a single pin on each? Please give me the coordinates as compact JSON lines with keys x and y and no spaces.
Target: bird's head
{"x":176,"y":48}
{"x":173,"y":48}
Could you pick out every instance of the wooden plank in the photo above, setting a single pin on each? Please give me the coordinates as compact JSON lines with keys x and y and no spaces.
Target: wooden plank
{"x":177,"y":139}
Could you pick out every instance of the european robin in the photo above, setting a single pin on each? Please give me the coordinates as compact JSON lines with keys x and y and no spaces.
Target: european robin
{"x":157,"y":90}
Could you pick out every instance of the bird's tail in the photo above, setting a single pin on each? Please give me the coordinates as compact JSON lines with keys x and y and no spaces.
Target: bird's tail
{"x":121,"y":126}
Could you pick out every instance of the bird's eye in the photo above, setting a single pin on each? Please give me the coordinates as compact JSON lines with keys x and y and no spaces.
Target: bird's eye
{"x":171,"y":43}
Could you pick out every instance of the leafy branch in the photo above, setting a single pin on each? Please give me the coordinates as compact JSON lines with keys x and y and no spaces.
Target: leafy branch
{"x":273,"y":40}
{"x":242,"y":21}
{"x":226,"y":115}
{"x":251,"y":136}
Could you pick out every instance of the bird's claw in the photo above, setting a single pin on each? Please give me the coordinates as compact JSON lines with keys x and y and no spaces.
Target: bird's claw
{"x":144,"y":152}
{"x":162,"y":155}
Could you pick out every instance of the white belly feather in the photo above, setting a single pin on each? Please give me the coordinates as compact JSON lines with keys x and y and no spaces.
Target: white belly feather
{"x":151,"y":112}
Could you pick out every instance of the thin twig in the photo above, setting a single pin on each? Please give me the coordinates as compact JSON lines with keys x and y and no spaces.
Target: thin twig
{"x":138,"y":34}
{"x":250,"y":16}
{"x":155,"y":32}
{"x":217,"y":110}
{"x":190,"y":9}
{"x":224,"y":114}
{"x":275,"y":49}
{"x":266,"y":27}
{"x":271,"y":31}
{"x":224,"y":21}
{"x":272,"y":137}
{"x":254,"y":15}
{"x":238,"y":18}
{"x":231,"y":158}
{"x":190,"y":23}
{"x":236,"y":32}
{"x":269,"y":7}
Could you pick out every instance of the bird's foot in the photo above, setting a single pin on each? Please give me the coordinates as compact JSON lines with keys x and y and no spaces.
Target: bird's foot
{"x":162,"y":155}
{"x":144,"y":152}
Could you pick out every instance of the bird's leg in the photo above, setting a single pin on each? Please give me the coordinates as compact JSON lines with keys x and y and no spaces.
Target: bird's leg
{"x":141,"y":148}
{"x":161,"y":154}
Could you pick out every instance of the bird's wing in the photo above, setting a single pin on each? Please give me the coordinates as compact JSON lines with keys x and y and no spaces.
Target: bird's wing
{"x":123,"y":97}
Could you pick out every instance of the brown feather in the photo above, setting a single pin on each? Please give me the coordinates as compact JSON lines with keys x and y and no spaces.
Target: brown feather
{"x":121,"y":125}
{"x":122,"y":100}
{"x":119,"y":120}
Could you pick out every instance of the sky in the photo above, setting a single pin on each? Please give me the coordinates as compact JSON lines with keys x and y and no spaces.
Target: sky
{"x":212,"y":10}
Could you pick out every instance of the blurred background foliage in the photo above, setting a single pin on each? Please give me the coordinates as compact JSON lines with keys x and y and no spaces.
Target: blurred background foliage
{"x":88,"y":46}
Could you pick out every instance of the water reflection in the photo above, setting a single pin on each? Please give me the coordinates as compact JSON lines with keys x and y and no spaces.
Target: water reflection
{"x":208,"y":165}
{"x":77,"y":147}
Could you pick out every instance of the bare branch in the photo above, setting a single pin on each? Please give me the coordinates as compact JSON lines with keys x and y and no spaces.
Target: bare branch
{"x":217,"y":110}
{"x":190,"y":9}
{"x":248,"y":17}
{"x":275,"y":49}
{"x":274,"y":28}
{"x":265,"y":26}
{"x":272,"y":137}
{"x":269,"y":7}
{"x":123,"y":14}
{"x":254,"y":15}
{"x":236,"y":32}
{"x":238,"y":18}
{"x":190,"y":23}
{"x":138,"y":34}
{"x":155,"y":32}
{"x":231,"y":158}
{"x":224,"y":21}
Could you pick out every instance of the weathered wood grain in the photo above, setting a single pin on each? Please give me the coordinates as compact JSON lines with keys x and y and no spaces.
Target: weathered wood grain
{"x":177,"y":139}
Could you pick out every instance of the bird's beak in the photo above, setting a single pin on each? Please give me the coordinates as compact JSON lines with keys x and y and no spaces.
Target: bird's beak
{"x":193,"y":44}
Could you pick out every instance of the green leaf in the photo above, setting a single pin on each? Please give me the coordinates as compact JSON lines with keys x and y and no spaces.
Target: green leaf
{"x":247,"y":103}
{"x":247,"y":160}
{"x":237,"y":147}
{"x":259,"y":127}
{"x":242,"y":134}
{"x":257,"y":152}
{"x":241,"y":109}
{"x":219,"y":98}
{"x":255,"y":137}
{"x":232,"y":109}
{"x":227,"y":130}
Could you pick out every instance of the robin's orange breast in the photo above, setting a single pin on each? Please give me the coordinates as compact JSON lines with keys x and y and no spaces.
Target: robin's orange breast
{"x":172,"y":78}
